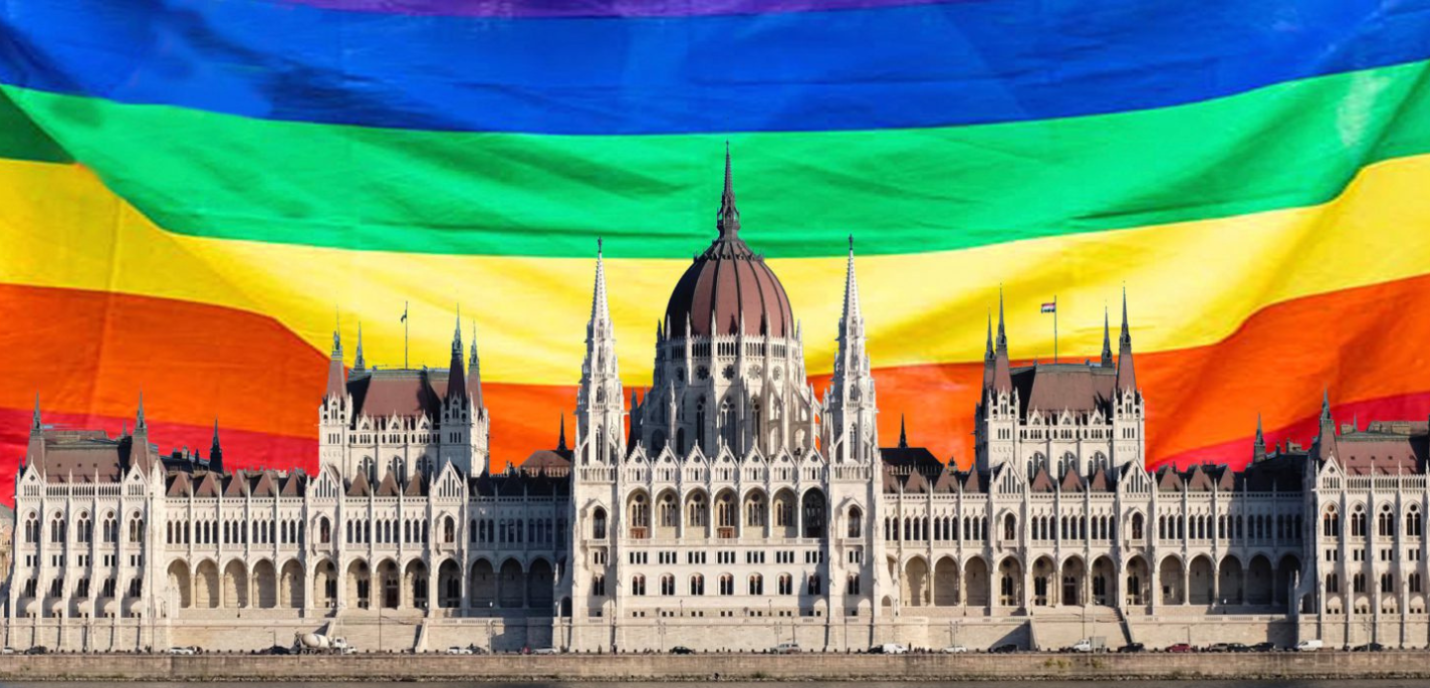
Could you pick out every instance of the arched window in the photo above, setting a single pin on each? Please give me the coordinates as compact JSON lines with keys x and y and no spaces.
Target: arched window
{"x":1414,"y":526}
{"x":700,"y":423}
{"x":668,"y":511}
{"x":598,"y":524}
{"x":697,"y":584}
{"x":856,"y":522}
{"x":1010,"y":527}
{"x":757,"y":584}
{"x":1331,"y":522}
{"x":449,"y":530}
{"x":814,"y":514}
{"x":727,"y":425}
{"x":667,"y":585}
{"x":727,"y":584}
{"x":725,"y":511}
{"x":638,"y":585}
{"x":695,"y":515}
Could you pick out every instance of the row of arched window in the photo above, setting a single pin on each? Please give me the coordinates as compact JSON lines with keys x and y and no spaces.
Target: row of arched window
{"x":537,"y":531}
{"x":1385,"y":522}
{"x":83,"y":531}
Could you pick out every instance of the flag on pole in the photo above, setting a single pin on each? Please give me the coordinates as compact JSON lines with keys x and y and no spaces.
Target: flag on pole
{"x":404,"y":313}
{"x":1050,"y":307}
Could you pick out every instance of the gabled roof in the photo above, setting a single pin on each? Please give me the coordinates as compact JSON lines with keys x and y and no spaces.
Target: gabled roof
{"x":267,"y":485}
{"x":417,"y":487}
{"x":1168,"y":479}
{"x":1055,"y":387}
{"x":1072,"y":482}
{"x":180,"y":485}
{"x":208,"y":486}
{"x":294,"y":484}
{"x":1102,"y":481}
{"x":947,"y":482}
{"x":403,"y":393}
{"x":389,"y":487}
{"x":360,"y":487}
{"x":234,"y":485}
{"x":1042,"y":481}
{"x":1197,"y":480}
{"x":916,"y":483}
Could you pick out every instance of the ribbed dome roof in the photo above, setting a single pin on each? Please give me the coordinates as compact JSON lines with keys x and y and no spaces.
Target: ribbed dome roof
{"x":729,"y":283}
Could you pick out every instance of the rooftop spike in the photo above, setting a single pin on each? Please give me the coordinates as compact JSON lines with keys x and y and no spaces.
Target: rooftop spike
{"x":358,"y":363}
{"x":727,"y":221}
{"x":903,"y":436}
{"x":561,"y":443}
{"x":139,"y":422}
{"x":36,"y":424}
{"x":1106,"y":340}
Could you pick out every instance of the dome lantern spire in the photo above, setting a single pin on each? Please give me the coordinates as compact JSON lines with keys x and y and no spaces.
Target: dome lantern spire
{"x":727,"y":220}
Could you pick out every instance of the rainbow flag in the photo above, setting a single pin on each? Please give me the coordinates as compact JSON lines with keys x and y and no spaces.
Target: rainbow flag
{"x":188,"y":188}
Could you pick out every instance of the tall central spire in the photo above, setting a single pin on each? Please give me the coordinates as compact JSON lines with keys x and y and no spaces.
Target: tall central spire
{"x":728,"y":219}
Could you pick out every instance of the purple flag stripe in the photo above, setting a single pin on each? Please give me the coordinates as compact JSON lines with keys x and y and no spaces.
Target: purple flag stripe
{"x":545,"y":9}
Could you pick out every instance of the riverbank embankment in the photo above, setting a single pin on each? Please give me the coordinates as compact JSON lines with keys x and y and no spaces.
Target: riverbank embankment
{"x":705,"y":667}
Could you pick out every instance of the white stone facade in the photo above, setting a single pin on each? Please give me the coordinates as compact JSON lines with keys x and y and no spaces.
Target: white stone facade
{"x":731,"y":507}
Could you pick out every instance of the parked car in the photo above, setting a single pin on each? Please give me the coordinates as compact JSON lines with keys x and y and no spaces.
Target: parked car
{"x":1093,"y":644}
{"x":892,"y":649}
{"x":1264,"y":647}
{"x":7,"y":650}
{"x":276,"y":650}
{"x":787,"y":649}
{"x":1217,"y":647}
{"x":955,"y":649}
{"x":1132,"y":647}
{"x":681,"y":650}
{"x":182,"y":651}
{"x":1180,"y":647}
{"x":38,"y":650}
{"x":459,"y":650}
{"x":1238,"y":647}
{"x":1309,"y":645}
{"x":1005,"y":648}
{"x":1369,"y":647}
{"x":546,"y":651}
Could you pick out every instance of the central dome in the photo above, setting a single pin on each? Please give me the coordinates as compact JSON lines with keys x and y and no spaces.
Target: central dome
{"x":728,"y":285}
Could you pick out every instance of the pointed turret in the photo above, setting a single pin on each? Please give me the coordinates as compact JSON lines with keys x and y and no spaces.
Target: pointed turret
{"x":35,"y":425}
{"x":561,"y":440}
{"x":600,"y":407}
{"x":903,"y":434}
{"x":1326,"y":435}
{"x":216,"y":452}
{"x":727,"y":220}
{"x":988,"y":356}
{"x":139,"y":424}
{"x":1002,"y":369}
{"x":474,"y":375}
{"x":358,"y":362}
{"x":1258,"y":447}
{"x":851,"y":401}
{"x":337,"y":376}
{"x":1126,"y":375}
{"x":456,"y":375}
{"x":1106,"y":341}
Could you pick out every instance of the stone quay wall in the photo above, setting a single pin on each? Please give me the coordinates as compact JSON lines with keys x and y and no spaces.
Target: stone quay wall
{"x":744,"y":667}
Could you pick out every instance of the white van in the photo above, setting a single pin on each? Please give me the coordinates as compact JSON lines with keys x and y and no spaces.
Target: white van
{"x":1309,"y":645}
{"x":894,"y":649}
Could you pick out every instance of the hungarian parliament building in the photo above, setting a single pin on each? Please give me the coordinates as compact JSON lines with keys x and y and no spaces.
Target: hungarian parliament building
{"x":727,"y":507}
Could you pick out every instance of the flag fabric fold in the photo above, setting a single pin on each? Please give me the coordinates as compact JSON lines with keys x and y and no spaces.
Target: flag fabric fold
{"x":190,"y":186}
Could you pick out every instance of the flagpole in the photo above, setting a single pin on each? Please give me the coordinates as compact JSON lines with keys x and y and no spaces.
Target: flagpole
{"x":1055,"y":328}
{"x":404,"y":335}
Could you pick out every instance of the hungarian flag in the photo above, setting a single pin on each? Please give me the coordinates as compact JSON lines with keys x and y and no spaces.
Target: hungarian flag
{"x":1050,"y":307}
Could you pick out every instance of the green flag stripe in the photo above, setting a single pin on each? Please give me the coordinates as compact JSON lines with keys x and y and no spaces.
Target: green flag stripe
{"x":800,"y":193}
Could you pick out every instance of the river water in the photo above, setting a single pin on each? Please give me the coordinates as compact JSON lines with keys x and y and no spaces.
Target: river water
{"x":761,"y":684}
